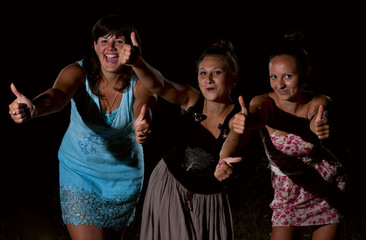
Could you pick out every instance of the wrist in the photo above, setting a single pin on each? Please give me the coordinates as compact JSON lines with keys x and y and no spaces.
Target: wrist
{"x":33,"y":112}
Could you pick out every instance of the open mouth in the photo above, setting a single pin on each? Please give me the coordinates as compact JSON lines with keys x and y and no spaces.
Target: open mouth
{"x":111,"y":58}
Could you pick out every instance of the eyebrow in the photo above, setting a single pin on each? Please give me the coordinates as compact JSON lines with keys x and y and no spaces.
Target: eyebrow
{"x":214,"y":68}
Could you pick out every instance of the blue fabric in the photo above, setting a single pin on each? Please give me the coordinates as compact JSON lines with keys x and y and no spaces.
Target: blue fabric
{"x":101,"y":163}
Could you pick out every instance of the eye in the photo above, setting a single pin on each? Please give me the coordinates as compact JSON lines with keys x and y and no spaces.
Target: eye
{"x":273,"y":77}
{"x":217,"y":72}
{"x":119,"y":41}
{"x":202,"y":73}
{"x":288,"y":76}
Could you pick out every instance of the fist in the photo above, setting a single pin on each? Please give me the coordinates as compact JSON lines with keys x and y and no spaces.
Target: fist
{"x":130,"y":54}
{"x":21,"y":109}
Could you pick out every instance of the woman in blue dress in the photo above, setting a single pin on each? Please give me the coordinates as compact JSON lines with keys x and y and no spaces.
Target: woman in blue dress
{"x":101,"y":156}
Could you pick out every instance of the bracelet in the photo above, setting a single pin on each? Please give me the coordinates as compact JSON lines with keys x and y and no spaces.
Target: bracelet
{"x":221,"y":162}
{"x":34,"y":111}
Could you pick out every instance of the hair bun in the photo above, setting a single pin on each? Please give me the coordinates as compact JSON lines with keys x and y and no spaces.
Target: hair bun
{"x":293,"y":35}
{"x":223,"y":43}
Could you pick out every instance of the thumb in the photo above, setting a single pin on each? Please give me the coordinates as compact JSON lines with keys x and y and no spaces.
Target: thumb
{"x":142,"y":113}
{"x":320,"y":113}
{"x":231,"y":160}
{"x":133,"y":39}
{"x":244,"y":110}
{"x":15,"y":91}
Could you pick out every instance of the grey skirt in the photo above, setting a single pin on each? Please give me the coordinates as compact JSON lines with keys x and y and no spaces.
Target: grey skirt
{"x":170,"y":211}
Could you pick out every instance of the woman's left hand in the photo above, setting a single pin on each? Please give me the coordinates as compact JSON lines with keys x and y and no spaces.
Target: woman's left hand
{"x":321,"y":124}
{"x":130,"y":54}
{"x":141,"y":125}
{"x":238,"y":124}
{"x":224,"y":169}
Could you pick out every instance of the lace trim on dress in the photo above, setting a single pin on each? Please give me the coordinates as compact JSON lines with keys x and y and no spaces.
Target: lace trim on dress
{"x":83,"y":207}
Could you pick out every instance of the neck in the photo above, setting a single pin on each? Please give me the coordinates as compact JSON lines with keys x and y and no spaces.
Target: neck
{"x":217,"y":108}
{"x":218,"y":111}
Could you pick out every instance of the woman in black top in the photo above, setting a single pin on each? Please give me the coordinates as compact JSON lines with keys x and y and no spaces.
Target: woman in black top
{"x":186,"y":198}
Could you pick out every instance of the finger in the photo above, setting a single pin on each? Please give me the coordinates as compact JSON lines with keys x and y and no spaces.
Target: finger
{"x":244,"y":110}
{"x":15,"y":91}
{"x":142,"y":113}
{"x":229,"y":161}
{"x":143,"y":126}
{"x":320,"y":113}
{"x":133,"y":39}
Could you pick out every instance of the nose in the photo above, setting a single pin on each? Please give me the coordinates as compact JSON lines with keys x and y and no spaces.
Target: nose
{"x":281,"y":83}
{"x":111,"y":45}
{"x":209,"y":77}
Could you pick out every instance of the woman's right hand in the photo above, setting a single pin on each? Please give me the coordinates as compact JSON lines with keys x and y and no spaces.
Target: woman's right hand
{"x":21,"y":109}
{"x":239,"y":119}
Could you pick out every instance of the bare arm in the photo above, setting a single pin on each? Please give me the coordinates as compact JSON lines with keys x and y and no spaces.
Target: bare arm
{"x":261,"y":110}
{"x":154,"y":81}
{"x":234,"y":142}
{"x":52,"y":100}
{"x":145,"y":102}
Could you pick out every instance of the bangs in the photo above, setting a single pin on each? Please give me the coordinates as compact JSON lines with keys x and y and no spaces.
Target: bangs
{"x":113,"y":25}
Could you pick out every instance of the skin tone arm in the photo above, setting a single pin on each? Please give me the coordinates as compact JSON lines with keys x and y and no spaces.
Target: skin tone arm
{"x":23,"y":109}
{"x":261,"y":114}
{"x":181,"y":94}
{"x":235,"y":141}
{"x":145,"y":101}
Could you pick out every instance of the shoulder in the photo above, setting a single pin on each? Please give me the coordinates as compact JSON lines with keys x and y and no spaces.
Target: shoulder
{"x":316,"y":100}
{"x":262,"y":100}
{"x":73,"y":69}
{"x":319,"y":99}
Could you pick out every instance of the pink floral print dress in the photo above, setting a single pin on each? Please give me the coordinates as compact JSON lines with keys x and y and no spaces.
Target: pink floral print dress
{"x":292,"y":204}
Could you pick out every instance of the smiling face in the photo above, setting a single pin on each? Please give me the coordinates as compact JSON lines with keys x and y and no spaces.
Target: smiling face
{"x":215,"y":78}
{"x":107,"y":48}
{"x":285,"y":78}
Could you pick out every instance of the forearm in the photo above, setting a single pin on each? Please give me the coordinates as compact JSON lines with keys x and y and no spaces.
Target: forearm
{"x":50,"y":101}
{"x":151,"y":78}
{"x":234,"y":144}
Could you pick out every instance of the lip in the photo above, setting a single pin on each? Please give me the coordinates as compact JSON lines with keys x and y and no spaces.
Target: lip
{"x":210,"y":89}
{"x":111,"y":58}
{"x":282,"y":92}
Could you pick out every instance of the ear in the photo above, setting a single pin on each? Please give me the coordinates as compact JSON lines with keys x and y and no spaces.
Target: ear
{"x":95,"y":46}
{"x":235,"y":79}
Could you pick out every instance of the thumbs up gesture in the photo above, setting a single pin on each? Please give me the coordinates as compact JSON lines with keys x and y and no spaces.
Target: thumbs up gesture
{"x":21,"y":109}
{"x":321,"y":124}
{"x":240,"y":118}
{"x":130,"y":54}
{"x":141,"y":125}
{"x":225,"y":168}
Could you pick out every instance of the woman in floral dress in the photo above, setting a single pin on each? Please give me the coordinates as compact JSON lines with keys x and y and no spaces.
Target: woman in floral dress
{"x":293,"y":124}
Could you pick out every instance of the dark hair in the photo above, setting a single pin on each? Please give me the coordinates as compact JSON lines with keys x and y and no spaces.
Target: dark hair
{"x":108,"y":25}
{"x":292,"y":44}
{"x":222,"y":48}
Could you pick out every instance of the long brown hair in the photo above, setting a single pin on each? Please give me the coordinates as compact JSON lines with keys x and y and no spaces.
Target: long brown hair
{"x":108,"y":25}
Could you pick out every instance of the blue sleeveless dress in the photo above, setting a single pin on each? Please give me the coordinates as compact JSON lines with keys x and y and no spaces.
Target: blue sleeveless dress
{"x":101,"y":163}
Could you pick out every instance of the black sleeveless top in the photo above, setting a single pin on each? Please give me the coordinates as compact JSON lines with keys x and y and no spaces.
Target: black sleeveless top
{"x":194,"y":158}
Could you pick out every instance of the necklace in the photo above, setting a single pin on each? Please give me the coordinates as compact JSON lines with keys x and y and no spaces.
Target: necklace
{"x":109,"y":108}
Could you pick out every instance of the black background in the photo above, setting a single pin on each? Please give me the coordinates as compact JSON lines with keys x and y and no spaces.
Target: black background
{"x":38,"y":40}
